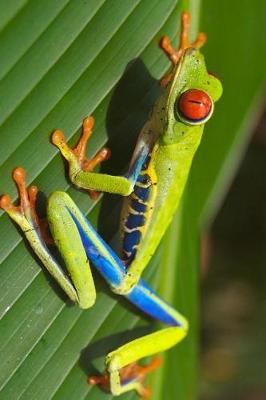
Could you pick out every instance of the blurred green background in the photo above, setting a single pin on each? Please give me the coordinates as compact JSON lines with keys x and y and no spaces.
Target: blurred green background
{"x":234,"y":253}
{"x":233,"y":351}
{"x":63,"y":60}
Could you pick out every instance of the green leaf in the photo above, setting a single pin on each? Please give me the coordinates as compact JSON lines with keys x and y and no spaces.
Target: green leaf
{"x":234,"y":52}
{"x":60,"y":62}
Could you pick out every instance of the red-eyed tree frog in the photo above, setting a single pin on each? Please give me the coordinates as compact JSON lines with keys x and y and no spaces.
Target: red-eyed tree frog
{"x":152,"y":188}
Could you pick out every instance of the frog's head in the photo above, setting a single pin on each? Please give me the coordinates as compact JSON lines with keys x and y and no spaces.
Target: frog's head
{"x":190,"y":91}
{"x":191,"y":94}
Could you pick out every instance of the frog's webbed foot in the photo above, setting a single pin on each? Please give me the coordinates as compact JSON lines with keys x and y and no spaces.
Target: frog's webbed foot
{"x":173,"y":54}
{"x":131,"y":377}
{"x":25,"y":214}
{"x":76,"y":157}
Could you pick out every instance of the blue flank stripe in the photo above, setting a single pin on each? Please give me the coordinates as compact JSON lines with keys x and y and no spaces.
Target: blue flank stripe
{"x":143,"y":179}
{"x":134,"y":172}
{"x":142,"y":193}
{"x":138,"y":207}
{"x":129,"y":257}
{"x":146,"y":163}
{"x":113,"y":272}
{"x":146,"y":300}
{"x":134,"y":221}
{"x":131,"y":239}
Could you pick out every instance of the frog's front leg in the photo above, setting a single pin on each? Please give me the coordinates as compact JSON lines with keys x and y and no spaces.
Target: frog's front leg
{"x":80,"y":168}
{"x":79,"y":287}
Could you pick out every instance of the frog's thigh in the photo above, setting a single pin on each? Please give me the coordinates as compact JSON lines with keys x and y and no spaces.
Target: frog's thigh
{"x":60,"y":212}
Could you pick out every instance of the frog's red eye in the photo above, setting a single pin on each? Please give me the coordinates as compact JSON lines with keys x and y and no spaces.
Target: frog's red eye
{"x":194,"y":106}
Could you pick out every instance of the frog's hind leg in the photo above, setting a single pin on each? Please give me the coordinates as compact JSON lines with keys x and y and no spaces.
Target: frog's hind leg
{"x":126,"y":356}
{"x":26,"y":217}
{"x":123,"y":372}
{"x":67,"y":239}
{"x":132,"y":377}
